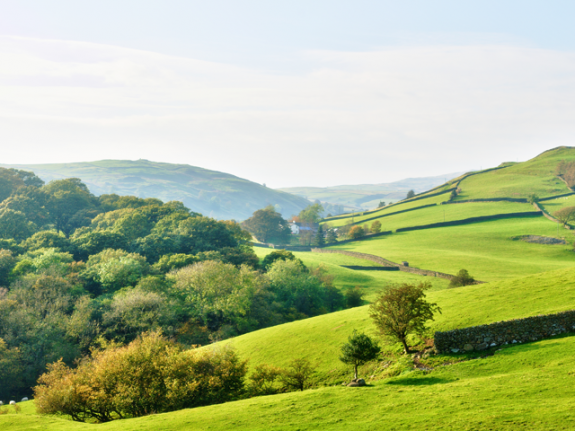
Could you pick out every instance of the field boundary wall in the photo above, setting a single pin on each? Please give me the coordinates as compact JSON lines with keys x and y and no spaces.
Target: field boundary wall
{"x":471,"y":220}
{"x":506,"y":332}
{"x":385,"y":262}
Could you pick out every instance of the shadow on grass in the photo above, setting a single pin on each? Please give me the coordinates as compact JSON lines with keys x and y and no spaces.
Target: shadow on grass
{"x":422,"y":381}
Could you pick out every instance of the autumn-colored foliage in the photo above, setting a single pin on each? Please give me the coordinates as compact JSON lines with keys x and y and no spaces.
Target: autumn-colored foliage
{"x":150,"y":375}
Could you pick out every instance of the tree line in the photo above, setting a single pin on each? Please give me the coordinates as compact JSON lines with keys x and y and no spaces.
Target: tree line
{"x":78,"y":272}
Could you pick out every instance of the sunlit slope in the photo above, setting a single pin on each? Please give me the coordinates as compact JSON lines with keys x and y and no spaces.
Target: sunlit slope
{"x":388,"y":211}
{"x":521,"y":179}
{"x":447,"y":213}
{"x":487,"y":249}
{"x":528,"y":385}
{"x":521,"y":387}
{"x":369,"y":281}
{"x":320,"y":338}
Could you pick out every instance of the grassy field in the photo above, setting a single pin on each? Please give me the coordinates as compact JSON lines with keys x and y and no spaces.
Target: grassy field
{"x":529,"y":386}
{"x":443,"y":213}
{"x":487,"y":249}
{"x":520,"y":180}
{"x":371,"y":282}
{"x":556,"y":204}
{"x":358,"y":217}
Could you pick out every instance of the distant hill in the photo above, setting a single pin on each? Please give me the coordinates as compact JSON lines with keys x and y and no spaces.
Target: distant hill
{"x":368,"y":196}
{"x":212,"y":193}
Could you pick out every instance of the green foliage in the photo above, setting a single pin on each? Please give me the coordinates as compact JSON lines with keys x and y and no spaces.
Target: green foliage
{"x":461,"y":279}
{"x":298,"y":374}
{"x":375,"y":227}
{"x":319,"y":239}
{"x":10,"y":371}
{"x":356,"y":232}
{"x":312,"y":213}
{"x":268,"y":226}
{"x":47,"y":239}
{"x":410,"y":194}
{"x":532,"y":198}
{"x":15,"y":225}
{"x":264,"y":380}
{"x":353,"y":297}
{"x":402,"y":310}
{"x":150,"y":375}
{"x":279,"y":255}
{"x":359,"y":350}
{"x":7,"y":263}
{"x":330,"y":237}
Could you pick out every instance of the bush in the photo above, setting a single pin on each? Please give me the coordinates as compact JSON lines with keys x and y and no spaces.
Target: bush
{"x":298,"y":374}
{"x":356,"y":232}
{"x":461,"y":279}
{"x":150,"y":375}
{"x":354,"y":297}
{"x":376,"y":227}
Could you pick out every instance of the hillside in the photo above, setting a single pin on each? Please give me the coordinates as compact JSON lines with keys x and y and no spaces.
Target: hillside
{"x":487,"y":229}
{"x":367,"y":196}
{"x":212,"y":193}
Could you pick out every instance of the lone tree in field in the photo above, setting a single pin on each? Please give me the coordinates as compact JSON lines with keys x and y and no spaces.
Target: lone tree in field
{"x":410,"y":194}
{"x":402,"y":310}
{"x":565,"y":215}
{"x":461,"y":279}
{"x":359,"y":350}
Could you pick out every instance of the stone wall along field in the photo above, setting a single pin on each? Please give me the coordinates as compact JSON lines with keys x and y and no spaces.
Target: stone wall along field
{"x":507,"y":332}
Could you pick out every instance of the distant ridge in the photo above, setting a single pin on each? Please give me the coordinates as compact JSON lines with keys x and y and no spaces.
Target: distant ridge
{"x":212,"y":193}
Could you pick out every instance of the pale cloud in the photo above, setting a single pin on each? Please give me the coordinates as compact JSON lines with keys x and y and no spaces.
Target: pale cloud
{"x":344,"y":118}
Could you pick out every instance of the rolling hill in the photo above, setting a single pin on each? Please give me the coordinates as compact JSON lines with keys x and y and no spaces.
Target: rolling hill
{"x":366,"y":196}
{"x":212,"y":193}
{"x":528,"y":386}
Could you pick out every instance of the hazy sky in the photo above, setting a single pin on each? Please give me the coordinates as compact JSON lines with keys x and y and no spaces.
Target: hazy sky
{"x":288,"y":92}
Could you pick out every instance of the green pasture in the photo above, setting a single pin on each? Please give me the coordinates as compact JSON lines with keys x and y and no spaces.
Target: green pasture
{"x":370,"y":281}
{"x":319,"y":338}
{"x":359,"y":217}
{"x":487,"y":249}
{"x":529,"y":386}
{"x":558,"y":203}
{"x":520,"y":180}
{"x":447,"y":213}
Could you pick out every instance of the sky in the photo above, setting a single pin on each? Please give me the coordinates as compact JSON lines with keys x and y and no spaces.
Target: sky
{"x":298,"y":93}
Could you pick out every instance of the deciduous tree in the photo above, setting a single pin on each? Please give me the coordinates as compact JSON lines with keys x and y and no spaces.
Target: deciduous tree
{"x":402,"y":310}
{"x":359,"y":350}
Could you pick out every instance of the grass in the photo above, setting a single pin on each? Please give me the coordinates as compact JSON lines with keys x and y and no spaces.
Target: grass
{"x":531,"y":386}
{"x":360,"y":216}
{"x":556,"y":204}
{"x":520,"y":180}
{"x":370,"y":281}
{"x":485,"y":249}
{"x":441,"y":213}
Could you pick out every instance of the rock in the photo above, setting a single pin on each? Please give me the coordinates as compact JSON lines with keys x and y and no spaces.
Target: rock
{"x":25,"y":399}
{"x":482,"y":346}
{"x":356,"y":383}
{"x":468,"y":347}
{"x":12,"y":402}
{"x":455,"y":350}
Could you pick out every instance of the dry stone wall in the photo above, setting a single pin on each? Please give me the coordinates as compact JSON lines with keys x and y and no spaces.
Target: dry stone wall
{"x":504,"y":333}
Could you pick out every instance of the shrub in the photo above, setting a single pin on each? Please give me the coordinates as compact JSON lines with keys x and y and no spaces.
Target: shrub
{"x":359,"y":350}
{"x":356,"y":232}
{"x":150,"y":375}
{"x":298,"y":374}
{"x":461,"y":279}
{"x":353,"y":297}
{"x":265,"y":379}
{"x":376,"y":227}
